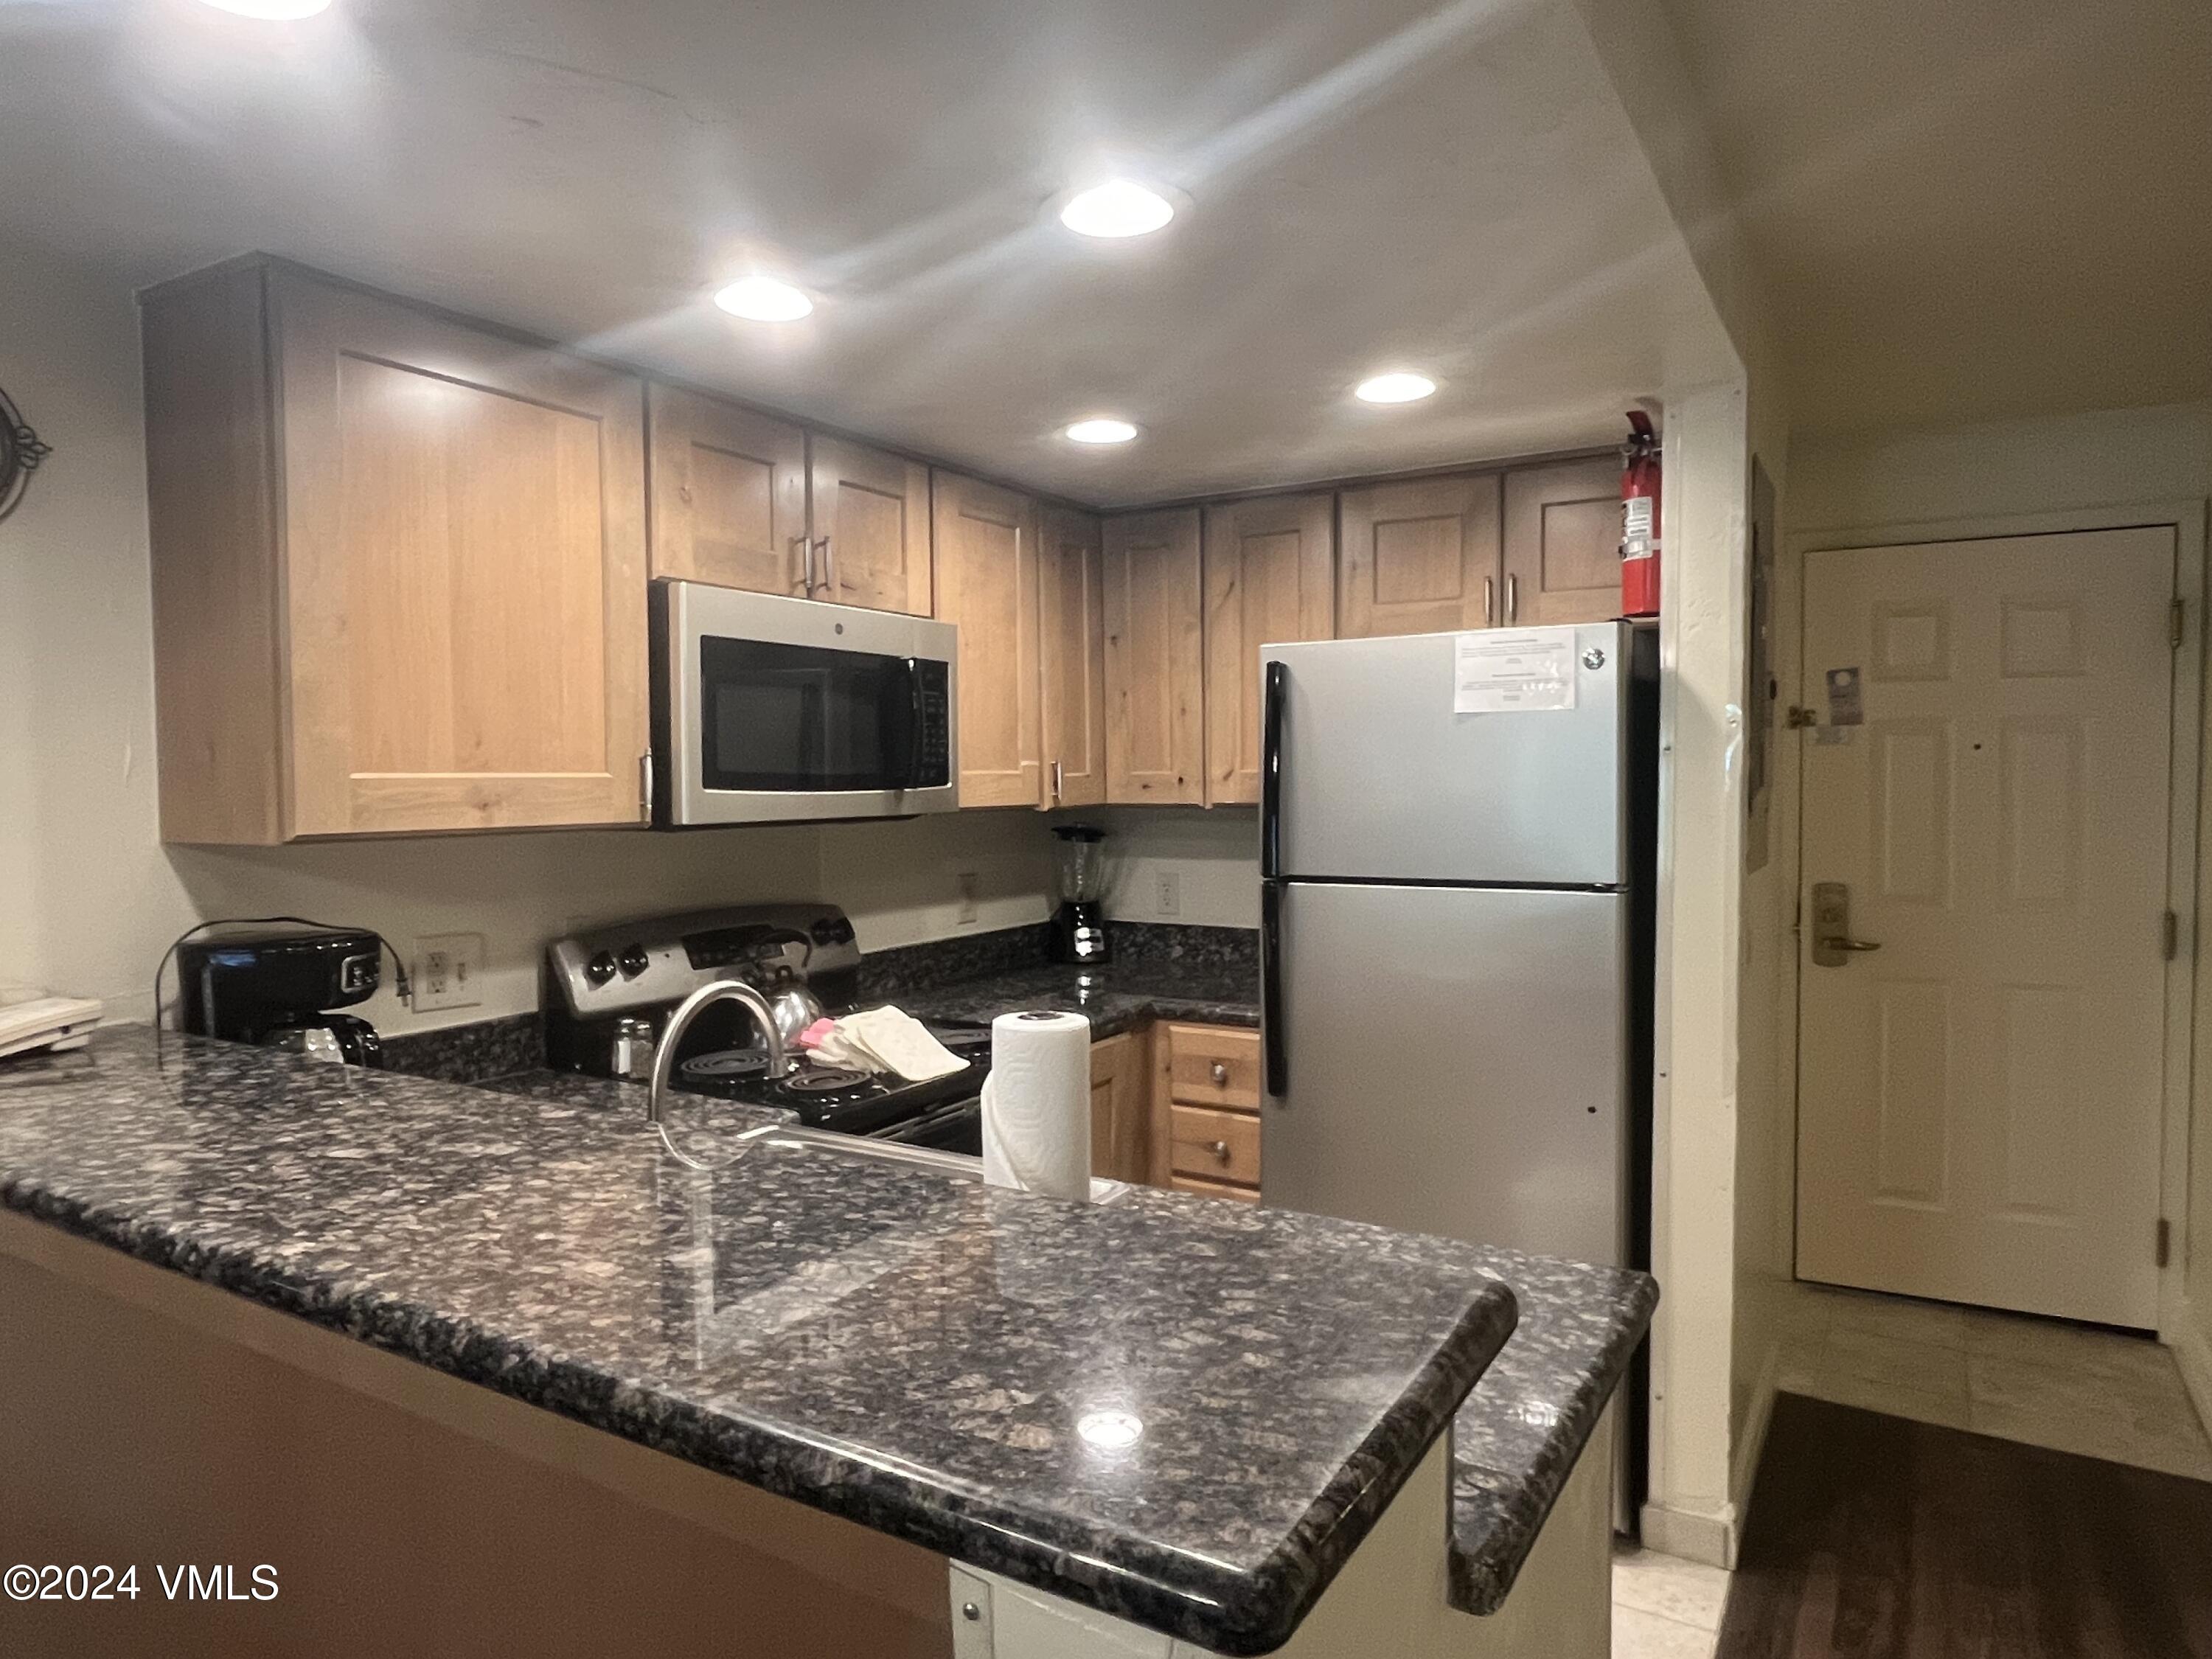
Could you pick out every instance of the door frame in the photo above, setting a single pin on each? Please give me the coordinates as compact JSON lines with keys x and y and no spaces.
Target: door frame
{"x":2187,"y":519}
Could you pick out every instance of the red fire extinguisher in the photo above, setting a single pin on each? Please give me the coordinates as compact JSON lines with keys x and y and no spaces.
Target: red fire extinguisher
{"x":1639,"y":519}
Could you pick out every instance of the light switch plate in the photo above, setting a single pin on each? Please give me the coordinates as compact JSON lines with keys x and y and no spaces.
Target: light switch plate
{"x":447,"y":969}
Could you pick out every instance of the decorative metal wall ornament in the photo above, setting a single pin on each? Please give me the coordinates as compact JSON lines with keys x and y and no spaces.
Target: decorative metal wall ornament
{"x":21,"y":452}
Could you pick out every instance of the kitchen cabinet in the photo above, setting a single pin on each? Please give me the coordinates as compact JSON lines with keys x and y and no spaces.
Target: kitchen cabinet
{"x":1154,"y":614}
{"x":1419,"y":556}
{"x":1206,"y":1110}
{"x":1119,"y":1110}
{"x":398,"y":567}
{"x":871,"y":513}
{"x":727,"y":494}
{"x":1071,"y":591}
{"x":985,"y":541}
{"x":1562,"y":542}
{"x":1270,"y":577}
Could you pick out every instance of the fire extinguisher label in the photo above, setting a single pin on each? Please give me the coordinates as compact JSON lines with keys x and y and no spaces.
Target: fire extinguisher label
{"x":1639,"y":539}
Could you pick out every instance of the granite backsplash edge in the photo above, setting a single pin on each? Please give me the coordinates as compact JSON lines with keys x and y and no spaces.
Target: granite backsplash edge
{"x":479,"y":1050}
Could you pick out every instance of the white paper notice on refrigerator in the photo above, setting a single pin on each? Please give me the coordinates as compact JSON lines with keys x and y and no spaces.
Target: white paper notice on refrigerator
{"x":1513,"y":670}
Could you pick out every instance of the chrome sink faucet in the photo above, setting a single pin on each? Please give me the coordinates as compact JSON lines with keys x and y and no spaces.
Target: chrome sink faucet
{"x":664,"y":1059}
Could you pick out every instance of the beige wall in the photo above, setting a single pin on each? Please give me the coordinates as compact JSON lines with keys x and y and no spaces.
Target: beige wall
{"x":2122,"y":459}
{"x":1213,"y":854}
{"x":1696,"y":1105}
{"x":89,"y":898}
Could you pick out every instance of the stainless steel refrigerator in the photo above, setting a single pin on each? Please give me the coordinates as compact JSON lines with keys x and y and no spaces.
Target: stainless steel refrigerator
{"x":1457,"y":868}
{"x":1456,"y":934}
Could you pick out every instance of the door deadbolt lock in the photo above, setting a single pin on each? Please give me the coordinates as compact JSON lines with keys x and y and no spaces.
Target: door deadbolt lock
{"x":1832,"y":944}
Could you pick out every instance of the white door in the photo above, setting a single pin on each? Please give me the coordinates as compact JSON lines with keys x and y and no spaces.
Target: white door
{"x":1980,"y":1097}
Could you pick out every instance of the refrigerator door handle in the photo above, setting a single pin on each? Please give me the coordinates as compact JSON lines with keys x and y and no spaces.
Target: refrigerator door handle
{"x":1275,"y":689}
{"x":1275,"y":1045}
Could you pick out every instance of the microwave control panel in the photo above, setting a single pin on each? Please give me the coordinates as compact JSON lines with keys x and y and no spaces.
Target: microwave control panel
{"x":934,"y":705}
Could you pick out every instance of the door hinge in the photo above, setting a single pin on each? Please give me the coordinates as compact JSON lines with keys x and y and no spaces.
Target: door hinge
{"x":2178,"y":615}
{"x":2165,"y":1241}
{"x":1796,"y":719}
{"x":2170,"y":935}
{"x":645,"y":785}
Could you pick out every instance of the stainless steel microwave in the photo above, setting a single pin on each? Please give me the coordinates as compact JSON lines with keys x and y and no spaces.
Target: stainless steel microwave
{"x":767,"y":709}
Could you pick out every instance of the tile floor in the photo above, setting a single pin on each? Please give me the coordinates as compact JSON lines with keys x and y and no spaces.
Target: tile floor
{"x":2074,"y":1389}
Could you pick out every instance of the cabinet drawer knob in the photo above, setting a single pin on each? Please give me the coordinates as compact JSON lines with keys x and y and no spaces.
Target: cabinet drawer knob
{"x":1220,"y":1072}
{"x":1219,"y":1149}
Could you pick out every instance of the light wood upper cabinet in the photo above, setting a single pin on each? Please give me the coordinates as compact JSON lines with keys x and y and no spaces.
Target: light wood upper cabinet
{"x":401,"y":586}
{"x":986,"y":586}
{"x":1563,"y":543}
{"x":871,"y":527}
{"x":1071,"y":590}
{"x":1419,"y":556}
{"x":728,"y":494}
{"x":1155,"y":660}
{"x":1270,"y":577}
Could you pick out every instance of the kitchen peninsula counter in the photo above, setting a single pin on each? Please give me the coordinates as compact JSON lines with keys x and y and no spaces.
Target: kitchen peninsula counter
{"x":1182,"y":1414}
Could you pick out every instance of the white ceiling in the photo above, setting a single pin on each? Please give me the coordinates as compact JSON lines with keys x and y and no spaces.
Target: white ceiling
{"x":1967,"y":210}
{"x":1376,"y":185}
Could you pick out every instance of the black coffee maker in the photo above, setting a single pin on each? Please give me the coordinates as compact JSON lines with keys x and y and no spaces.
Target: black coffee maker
{"x":275,"y":989}
{"x":1078,"y":926}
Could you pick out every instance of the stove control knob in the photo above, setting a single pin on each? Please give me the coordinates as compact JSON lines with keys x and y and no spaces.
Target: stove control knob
{"x":600,"y":969}
{"x":635,"y":962}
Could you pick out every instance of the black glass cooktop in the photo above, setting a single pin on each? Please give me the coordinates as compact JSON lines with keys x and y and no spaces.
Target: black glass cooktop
{"x":831,"y":1097}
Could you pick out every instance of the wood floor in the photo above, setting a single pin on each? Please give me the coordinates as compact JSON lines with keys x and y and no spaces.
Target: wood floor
{"x":1870,"y":1537}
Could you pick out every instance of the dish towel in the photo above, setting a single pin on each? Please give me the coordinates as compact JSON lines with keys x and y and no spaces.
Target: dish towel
{"x":882,"y":1040}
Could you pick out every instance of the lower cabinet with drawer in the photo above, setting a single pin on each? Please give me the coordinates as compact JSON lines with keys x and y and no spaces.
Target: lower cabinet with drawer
{"x":1206,"y":1110}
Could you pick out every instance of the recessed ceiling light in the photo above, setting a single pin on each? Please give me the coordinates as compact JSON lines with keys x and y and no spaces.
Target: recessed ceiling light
{"x":272,"y":11}
{"x":1120,"y":207}
{"x":764,"y":300}
{"x":1394,"y":389}
{"x":1102,"y":431}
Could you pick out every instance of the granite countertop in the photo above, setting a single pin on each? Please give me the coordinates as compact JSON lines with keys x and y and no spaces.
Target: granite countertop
{"x":1517,"y":1437}
{"x":1115,"y":998}
{"x":918,"y":1353}
{"x":1521,"y":1432}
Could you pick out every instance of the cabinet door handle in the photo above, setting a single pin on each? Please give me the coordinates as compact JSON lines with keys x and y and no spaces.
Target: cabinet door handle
{"x":1220,"y":1073}
{"x":1058,"y":791}
{"x":1489,"y":601}
{"x":828,"y":568}
{"x":1512,"y":600}
{"x":803,"y":551}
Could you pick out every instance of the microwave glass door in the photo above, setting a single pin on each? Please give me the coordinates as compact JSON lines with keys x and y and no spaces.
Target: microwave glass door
{"x":796,"y":719}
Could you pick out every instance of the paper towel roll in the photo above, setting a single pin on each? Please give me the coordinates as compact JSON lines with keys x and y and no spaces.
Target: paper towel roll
{"x":1036,"y":1105}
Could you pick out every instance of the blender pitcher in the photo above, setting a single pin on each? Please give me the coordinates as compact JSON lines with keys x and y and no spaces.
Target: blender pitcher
{"x":1078,"y":926}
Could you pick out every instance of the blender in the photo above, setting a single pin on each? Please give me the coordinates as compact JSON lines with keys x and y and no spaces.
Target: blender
{"x":1078,"y":926}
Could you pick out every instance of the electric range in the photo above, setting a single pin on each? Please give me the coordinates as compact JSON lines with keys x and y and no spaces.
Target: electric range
{"x":609,"y":992}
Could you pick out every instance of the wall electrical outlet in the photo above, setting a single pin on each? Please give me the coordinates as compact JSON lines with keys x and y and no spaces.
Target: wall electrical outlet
{"x":968,"y":886}
{"x":447,"y":969}
{"x":1167,"y":893}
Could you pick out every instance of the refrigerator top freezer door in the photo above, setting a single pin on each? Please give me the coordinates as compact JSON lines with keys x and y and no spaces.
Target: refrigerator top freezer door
{"x":1372,"y":776}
